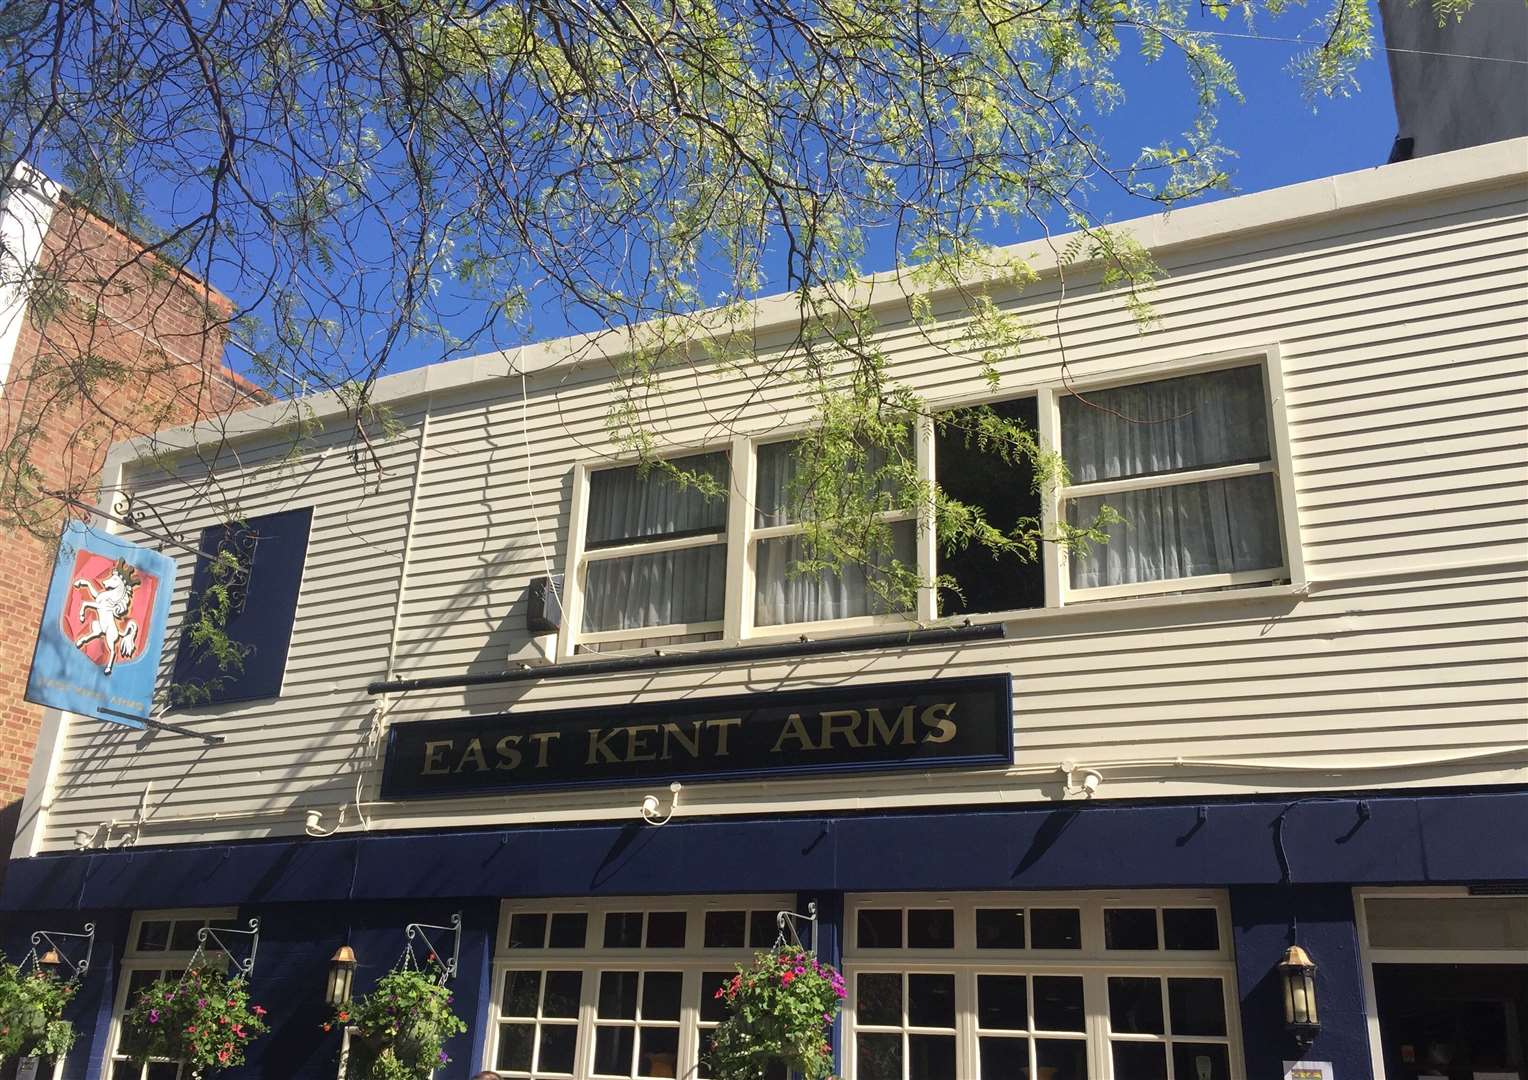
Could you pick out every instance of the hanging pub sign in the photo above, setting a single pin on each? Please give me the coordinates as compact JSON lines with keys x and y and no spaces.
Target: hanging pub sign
{"x":102,"y":627}
{"x":939,"y":722}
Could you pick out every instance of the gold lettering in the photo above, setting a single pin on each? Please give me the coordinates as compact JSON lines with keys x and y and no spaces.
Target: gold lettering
{"x":793,"y":729}
{"x":690,"y":742}
{"x":543,"y":739}
{"x":636,"y":742}
{"x":843,"y":722}
{"x":937,"y":717}
{"x":474,"y":753}
{"x":433,"y":765}
{"x":599,"y":747}
{"x":509,"y":755}
{"x":889,"y":732}
{"x":723,"y":728}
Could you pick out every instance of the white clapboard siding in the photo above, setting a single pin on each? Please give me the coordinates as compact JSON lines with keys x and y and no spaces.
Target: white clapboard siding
{"x":1403,"y":333}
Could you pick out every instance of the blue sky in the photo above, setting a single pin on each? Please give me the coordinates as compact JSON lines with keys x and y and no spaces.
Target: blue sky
{"x":1278,"y":138}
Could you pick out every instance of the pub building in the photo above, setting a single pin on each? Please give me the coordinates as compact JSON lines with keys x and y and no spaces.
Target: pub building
{"x":1240,"y":788}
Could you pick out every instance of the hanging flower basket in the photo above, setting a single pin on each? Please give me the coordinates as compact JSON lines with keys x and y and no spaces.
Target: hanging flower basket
{"x":399,"y":1030}
{"x":31,"y":1014}
{"x":204,"y":1019}
{"x":779,"y":1012}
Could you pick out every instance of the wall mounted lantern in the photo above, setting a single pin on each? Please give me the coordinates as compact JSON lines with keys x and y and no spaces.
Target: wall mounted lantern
{"x":1297,"y":973}
{"x":341,"y":975}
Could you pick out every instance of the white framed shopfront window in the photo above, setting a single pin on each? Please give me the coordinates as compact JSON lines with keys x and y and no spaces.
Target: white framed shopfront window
{"x":1068,"y":986}
{"x":617,"y":988}
{"x":1445,"y":973}
{"x":1193,"y":454}
{"x":160,"y":944}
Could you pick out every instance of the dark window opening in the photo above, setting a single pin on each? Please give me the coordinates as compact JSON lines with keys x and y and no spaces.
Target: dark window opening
{"x":1005,"y":494}
{"x":1458,"y":1021}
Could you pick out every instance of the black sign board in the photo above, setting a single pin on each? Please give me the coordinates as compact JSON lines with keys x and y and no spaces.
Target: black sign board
{"x":966,"y":721}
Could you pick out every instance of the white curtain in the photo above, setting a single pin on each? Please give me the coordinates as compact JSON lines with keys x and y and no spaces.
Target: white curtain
{"x":683,"y":586}
{"x":783,"y":597}
{"x":625,"y":506}
{"x":1185,"y":530}
{"x":1194,"y":422}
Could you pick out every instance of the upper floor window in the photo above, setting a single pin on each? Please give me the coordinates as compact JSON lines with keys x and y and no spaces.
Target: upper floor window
{"x":782,"y":497}
{"x":655,"y":553}
{"x":1188,"y":465}
{"x":1191,"y":465}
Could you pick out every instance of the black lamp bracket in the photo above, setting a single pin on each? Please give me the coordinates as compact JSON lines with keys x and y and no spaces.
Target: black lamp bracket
{"x":246,"y":967}
{"x":77,"y":968}
{"x":789,"y":924}
{"x":420,"y":931}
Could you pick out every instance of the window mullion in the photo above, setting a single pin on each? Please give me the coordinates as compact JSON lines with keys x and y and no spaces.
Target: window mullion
{"x":1053,"y":555}
{"x":926,"y":542}
{"x":583,"y":1054}
{"x":1165,"y":480}
{"x":738,"y":610}
{"x":653,"y":546}
{"x":573,"y":569}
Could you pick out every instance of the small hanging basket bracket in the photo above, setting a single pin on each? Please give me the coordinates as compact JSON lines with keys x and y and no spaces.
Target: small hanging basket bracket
{"x":245,"y":967}
{"x":421,"y":931}
{"x":789,"y":923}
{"x":77,"y":968}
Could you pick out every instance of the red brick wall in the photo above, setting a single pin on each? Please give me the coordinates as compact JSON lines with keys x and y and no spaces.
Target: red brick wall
{"x":153,"y":337}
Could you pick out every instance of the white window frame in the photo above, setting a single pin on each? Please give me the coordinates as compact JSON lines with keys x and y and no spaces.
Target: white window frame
{"x":1276,"y":465}
{"x":754,"y":533}
{"x":1092,"y":963}
{"x":580,"y":556}
{"x":1368,"y":955}
{"x":134,"y":959}
{"x":741,"y":535}
{"x":693,"y":960}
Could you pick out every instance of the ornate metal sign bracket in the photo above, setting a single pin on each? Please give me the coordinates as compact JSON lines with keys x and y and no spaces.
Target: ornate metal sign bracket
{"x":246,"y":966}
{"x":77,"y":968}
{"x":790,"y":922}
{"x":420,"y":930}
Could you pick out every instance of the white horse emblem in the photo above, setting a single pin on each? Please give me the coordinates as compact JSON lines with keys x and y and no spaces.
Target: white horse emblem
{"x":104,"y":614}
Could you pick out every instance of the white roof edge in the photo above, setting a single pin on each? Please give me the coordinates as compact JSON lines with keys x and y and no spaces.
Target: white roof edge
{"x":1491,"y":164}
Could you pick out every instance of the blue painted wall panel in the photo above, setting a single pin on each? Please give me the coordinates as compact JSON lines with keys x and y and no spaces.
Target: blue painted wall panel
{"x":1261,"y":923}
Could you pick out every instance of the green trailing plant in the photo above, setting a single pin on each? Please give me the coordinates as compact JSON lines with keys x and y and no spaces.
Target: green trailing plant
{"x":637,"y":171}
{"x":779,"y":1011}
{"x":401,"y":1027}
{"x":204,"y":1018}
{"x":31,"y":1013}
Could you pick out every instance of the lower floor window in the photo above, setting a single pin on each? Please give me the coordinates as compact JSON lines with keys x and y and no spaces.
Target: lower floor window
{"x":1010,"y":1024}
{"x":1045,"y":986}
{"x":124,"y":1066}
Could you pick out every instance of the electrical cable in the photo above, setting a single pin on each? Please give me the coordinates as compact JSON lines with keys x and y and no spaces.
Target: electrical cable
{"x":1276,"y":39}
{"x":530,"y":491}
